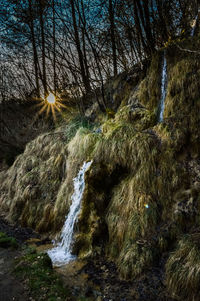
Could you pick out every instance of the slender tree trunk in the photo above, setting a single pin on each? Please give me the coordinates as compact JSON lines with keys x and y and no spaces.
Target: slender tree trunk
{"x":86,"y":81}
{"x":97,"y":60}
{"x":143,"y":10}
{"x":35,"y":55}
{"x":148,"y":28}
{"x":54,"y":49}
{"x":163,"y":28}
{"x":43,"y":48}
{"x":138,"y":27}
{"x":83,"y":30}
{"x":112,"y":35}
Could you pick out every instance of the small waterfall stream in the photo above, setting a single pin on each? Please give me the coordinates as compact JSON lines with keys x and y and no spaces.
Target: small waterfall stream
{"x":61,"y":254}
{"x":163,"y":89}
{"x":194,"y":26}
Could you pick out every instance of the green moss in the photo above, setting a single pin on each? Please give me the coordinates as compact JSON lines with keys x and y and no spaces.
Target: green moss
{"x":76,"y":123}
{"x":6,"y":241}
{"x":141,"y":171}
{"x":183,"y":88}
{"x":43,"y":282}
{"x":139,"y":117}
{"x":83,"y":299}
{"x":110,"y":113}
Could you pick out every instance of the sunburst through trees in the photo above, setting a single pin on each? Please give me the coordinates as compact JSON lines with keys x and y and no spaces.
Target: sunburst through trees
{"x":51,"y":104}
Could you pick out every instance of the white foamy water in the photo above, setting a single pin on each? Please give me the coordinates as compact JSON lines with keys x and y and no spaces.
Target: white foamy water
{"x":163,"y":89}
{"x":61,"y":253}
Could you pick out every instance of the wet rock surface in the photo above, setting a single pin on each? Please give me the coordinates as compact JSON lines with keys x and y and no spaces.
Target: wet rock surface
{"x":19,"y":233}
{"x":109,"y":286}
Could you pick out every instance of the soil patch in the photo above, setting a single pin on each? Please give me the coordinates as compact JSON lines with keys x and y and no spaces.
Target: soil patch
{"x":94,"y":279}
{"x":20,"y":234}
{"x":10,"y":288}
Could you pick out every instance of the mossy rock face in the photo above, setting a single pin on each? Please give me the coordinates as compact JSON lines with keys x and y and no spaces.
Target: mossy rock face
{"x":149,"y":91}
{"x":186,"y":206}
{"x":137,"y":115}
{"x":118,"y":89}
{"x":30,"y":186}
{"x":141,"y":193}
{"x":92,"y":228}
{"x":154,"y":170}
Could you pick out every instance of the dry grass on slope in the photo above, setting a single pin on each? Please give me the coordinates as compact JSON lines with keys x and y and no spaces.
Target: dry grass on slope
{"x":183,"y":269}
{"x":30,"y":186}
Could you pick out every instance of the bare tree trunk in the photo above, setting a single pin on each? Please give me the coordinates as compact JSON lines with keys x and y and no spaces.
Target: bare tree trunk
{"x":163,"y":28}
{"x":148,"y":28}
{"x":54,"y":49}
{"x":97,"y":60}
{"x":35,"y":55}
{"x":138,"y":26}
{"x":43,"y":48}
{"x":86,"y":81}
{"x":112,"y":35}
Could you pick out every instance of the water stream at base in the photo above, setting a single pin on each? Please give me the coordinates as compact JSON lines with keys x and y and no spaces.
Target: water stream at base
{"x":163,"y":89}
{"x":61,"y":253}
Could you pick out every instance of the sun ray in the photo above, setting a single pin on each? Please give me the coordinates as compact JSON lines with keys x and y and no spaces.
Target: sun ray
{"x":48,"y":110}
{"x":62,"y":105}
{"x":41,"y":103}
{"x":43,"y":109}
{"x":57,"y":108}
{"x":53,"y":113}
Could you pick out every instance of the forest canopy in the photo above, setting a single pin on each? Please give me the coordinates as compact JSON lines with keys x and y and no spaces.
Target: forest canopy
{"x":74,"y":46}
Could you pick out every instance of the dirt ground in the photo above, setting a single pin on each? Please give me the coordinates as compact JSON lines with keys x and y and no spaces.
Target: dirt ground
{"x":10,"y":288}
{"x":96,"y":279}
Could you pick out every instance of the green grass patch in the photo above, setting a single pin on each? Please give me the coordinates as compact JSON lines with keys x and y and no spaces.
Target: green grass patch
{"x":36,"y":270}
{"x":6,"y":241}
{"x":76,"y":123}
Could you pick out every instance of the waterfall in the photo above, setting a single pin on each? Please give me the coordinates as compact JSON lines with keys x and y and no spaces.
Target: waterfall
{"x":194,"y":25}
{"x":163,"y":88}
{"x":61,"y":253}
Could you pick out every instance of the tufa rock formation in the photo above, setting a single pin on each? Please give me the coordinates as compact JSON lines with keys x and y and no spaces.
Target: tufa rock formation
{"x":142,"y":193}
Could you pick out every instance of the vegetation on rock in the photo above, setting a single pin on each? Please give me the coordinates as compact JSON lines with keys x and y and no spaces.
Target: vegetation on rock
{"x":142,"y":192}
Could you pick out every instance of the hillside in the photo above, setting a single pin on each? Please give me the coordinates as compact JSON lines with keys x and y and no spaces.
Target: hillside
{"x":19,"y":124}
{"x":141,"y":203}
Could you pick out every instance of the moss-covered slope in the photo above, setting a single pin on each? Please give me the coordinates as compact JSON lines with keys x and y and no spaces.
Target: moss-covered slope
{"x":142,"y":192}
{"x":31,"y":187}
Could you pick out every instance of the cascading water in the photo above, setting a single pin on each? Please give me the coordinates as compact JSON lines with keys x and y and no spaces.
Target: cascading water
{"x":61,"y":254}
{"x":194,"y":25}
{"x":163,"y":89}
